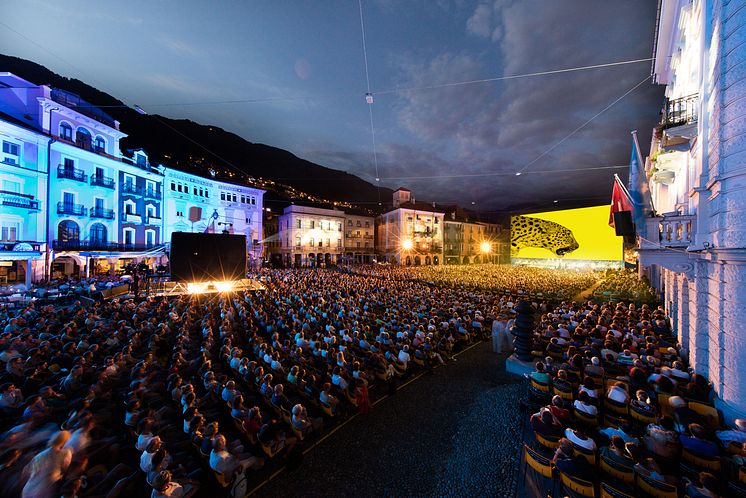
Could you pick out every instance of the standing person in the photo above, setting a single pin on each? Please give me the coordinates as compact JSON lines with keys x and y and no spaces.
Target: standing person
{"x":45,"y":471}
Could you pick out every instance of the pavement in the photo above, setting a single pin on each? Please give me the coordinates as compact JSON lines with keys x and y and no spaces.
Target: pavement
{"x":453,"y":432}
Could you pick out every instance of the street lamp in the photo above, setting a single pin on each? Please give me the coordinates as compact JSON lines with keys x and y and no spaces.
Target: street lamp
{"x":485,"y":247}
{"x":407,"y":245}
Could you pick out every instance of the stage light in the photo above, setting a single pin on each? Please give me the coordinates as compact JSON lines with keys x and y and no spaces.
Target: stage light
{"x":518,"y":174}
{"x":407,"y":245}
{"x":196,"y":287}
{"x":226,"y":286}
{"x":486,"y":247}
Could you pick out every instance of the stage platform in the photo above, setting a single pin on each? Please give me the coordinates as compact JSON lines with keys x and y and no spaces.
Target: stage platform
{"x":170,"y":288}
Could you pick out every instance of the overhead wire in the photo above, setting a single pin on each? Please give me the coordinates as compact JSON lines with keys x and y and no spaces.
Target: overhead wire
{"x":511,"y":77}
{"x":573,"y":132}
{"x":368,"y":97}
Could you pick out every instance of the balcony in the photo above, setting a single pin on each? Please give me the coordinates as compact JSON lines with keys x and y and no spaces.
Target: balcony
{"x":99,"y":212}
{"x":680,"y":112}
{"x":677,"y":231}
{"x":131,"y":217}
{"x":152,"y":193}
{"x":98,"y":245}
{"x":102,"y":181}
{"x":69,"y":208}
{"x":71,"y":173}
{"x":152,"y":220}
{"x":129,"y":188}
{"x":15,"y":199}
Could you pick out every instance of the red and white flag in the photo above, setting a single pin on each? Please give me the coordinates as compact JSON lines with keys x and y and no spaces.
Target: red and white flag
{"x":619,"y":201}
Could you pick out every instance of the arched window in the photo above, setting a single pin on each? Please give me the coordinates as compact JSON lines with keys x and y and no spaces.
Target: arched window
{"x":100,"y":144}
{"x":66,"y":132}
{"x":83,"y":138}
{"x":98,"y":234}
{"x":68,"y":231}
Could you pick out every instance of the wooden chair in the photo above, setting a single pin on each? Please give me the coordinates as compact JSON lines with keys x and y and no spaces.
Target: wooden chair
{"x":609,"y":491}
{"x":551,"y":443}
{"x":655,"y":489}
{"x":579,"y":487}
{"x":711,"y":464}
{"x":617,"y":470}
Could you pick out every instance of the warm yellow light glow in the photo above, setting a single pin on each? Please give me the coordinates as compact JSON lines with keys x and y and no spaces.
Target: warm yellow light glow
{"x":407,"y":245}
{"x":485,"y":247}
{"x":224,"y":286}
{"x":196,"y":287}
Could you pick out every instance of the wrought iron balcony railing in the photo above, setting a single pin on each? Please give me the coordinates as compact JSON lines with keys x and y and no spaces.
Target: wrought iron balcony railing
{"x":69,"y":208}
{"x":152,"y":193}
{"x":129,"y":188}
{"x":681,"y":111}
{"x":71,"y":173}
{"x":15,"y":199}
{"x":98,"y":245}
{"x":99,"y":212}
{"x":102,"y":181}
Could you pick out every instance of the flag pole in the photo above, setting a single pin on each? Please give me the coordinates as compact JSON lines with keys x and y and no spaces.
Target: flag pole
{"x":624,"y":189}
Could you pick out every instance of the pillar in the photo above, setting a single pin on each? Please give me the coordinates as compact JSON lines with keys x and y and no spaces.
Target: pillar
{"x":29,"y":271}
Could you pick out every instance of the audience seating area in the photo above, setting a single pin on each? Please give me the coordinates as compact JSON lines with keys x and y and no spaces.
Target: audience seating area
{"x":616,"y":412}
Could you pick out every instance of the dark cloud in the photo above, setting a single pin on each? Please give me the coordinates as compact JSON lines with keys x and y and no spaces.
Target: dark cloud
{"x":501,"y":127}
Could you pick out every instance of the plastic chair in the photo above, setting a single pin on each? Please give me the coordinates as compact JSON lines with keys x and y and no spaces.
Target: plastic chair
{"x":711,"y":464}
{"x":613,"y":421}
{"x":565,"y":395}
{"x":640,"y":417}
{"x":538,"y":462}
{"x":609,"y":491}
{"x":547,"y":442}
{"x":585,"y":418}
{"x":654,"y":488}
{"x":709,"y":413}
{"x":590,"y":456}
{"x":617,"y":470}
{"x":580,"y":487}
{"x":615,"y":407}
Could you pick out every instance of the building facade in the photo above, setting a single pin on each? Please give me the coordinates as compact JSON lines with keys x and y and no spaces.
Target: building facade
{"x":193,"y":203}
{"x":472,"y":242}
{"x":23,"y":202}
{"x":311,"y":237}
{"x":411,"y":233}
{"x":694,"y":247}
{"x":359,"y":239}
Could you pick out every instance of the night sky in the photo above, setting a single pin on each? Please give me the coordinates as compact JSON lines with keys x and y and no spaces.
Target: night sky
{"x":304,"y":62}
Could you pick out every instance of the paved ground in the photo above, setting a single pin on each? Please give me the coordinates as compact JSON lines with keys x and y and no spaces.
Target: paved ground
{"x":455,"y":432}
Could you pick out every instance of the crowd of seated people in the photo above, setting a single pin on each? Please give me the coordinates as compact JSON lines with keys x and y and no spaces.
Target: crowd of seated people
{"x":617,"y":410}
{"x":544,"y":282}
{"x":624,"y":285}
{"x":173,"y":397}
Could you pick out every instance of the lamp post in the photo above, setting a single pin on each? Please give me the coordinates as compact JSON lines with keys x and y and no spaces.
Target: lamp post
{"x":406,"y":246}
{"x":486,"y":249}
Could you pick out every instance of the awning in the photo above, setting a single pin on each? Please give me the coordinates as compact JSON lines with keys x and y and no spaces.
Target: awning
{"x":19,"y":255}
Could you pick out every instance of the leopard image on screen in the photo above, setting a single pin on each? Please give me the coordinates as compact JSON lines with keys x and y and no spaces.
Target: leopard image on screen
{"x":534,"y":232}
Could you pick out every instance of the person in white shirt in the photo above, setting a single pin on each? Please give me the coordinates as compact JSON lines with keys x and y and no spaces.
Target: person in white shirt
{"x":579,"y":438}
{"x":146,"y":459}
{"x":226,"y":463}
{"x":618,"y":393}
{"x":404,"y":356}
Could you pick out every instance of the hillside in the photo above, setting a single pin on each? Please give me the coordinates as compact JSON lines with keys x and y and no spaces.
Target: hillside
{"x":183,"y":144}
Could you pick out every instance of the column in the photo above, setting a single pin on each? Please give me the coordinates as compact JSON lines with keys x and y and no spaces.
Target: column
{"x":29,"y":271}
{"x":682,"y":330}
{"x":699,"y":319}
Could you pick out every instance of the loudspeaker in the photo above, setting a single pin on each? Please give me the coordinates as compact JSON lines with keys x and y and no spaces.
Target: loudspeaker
{"x":623,"y":223}
{"x":205,"y":257}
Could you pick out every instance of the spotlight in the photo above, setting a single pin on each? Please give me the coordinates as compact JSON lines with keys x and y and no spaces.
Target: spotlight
{"x":226,"y":286}
{"x":196,"y":287}
{"x":485,"y":247}
{"x":407,"y":245}
{"x":518,"y":173}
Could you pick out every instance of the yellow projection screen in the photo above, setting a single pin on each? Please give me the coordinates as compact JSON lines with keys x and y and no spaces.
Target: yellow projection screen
{"x":574,"y":235}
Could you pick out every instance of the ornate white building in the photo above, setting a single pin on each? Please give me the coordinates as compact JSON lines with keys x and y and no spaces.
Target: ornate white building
{"x":694,"y":249}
